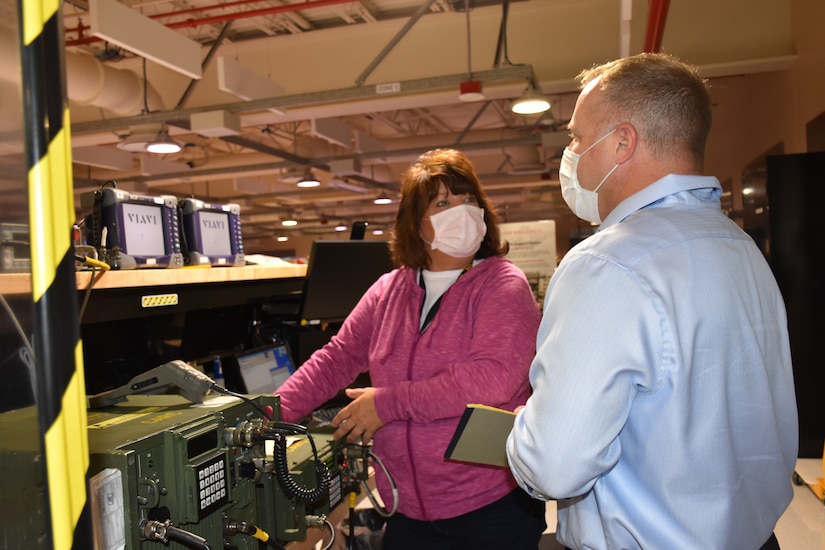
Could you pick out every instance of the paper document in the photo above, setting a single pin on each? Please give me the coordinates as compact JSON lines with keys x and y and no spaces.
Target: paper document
{"x":481,"y":436}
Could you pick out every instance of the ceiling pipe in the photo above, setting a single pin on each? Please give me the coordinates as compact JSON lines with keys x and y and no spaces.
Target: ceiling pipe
{"x":90,"y":82}
{"x":225,"y":17}
{"x":656,"y":25}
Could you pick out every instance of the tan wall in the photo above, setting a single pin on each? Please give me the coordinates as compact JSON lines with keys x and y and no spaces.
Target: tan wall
{"x":755,"y":112}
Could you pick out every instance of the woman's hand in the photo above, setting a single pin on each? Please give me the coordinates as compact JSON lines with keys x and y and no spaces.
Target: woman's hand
{"x":358,"y":421}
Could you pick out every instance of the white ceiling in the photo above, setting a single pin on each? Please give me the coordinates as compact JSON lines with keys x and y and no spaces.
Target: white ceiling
{"x":382,"y":76}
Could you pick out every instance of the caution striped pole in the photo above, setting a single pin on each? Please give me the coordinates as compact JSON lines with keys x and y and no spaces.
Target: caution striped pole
{"x":61,"y":391}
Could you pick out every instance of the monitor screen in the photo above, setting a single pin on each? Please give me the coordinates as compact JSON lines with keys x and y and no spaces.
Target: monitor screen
{"x":263,"y":370}
{"x":338,"y":274}
{"x":143,"y":230}
{"x":215,"y":233}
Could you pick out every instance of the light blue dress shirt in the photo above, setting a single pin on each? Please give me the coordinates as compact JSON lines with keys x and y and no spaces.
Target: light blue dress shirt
{"x":663,"y":413}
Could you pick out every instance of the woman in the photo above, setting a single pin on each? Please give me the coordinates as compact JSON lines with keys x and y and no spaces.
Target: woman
{"x":455,"y":324}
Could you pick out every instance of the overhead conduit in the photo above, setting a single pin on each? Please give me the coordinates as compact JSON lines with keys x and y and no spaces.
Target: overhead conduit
{"x":90,"y":82}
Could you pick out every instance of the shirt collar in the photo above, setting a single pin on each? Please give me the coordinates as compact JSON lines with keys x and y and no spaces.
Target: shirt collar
{"x":668,"y":185}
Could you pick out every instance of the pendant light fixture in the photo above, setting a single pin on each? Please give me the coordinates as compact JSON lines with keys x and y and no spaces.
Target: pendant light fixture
{"x":148,"y":139}
{"x":531,"y":102}
{"x":163,"y":144}
{"x":309,"y":180}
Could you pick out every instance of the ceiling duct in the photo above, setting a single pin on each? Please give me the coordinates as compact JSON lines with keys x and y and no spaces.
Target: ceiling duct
{"x":345,"y":167}
{"x":90,"y":82}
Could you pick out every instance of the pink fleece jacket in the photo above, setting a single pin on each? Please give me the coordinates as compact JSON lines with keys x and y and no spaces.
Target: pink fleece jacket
{"x":477,"y":349}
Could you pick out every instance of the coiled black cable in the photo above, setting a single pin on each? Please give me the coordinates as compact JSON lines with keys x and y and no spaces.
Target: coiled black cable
{"x":301,"y":495}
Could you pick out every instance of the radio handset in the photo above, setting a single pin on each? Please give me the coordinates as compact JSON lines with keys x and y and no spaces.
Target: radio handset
{"x":192,"y":383}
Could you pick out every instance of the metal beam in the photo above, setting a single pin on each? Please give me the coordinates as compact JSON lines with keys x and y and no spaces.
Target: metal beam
{"x":504,"y":74}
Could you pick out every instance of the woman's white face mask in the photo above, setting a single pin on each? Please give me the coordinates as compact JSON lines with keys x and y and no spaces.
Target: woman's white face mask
{"x":583,"y":203}
{"x":458,"y":231}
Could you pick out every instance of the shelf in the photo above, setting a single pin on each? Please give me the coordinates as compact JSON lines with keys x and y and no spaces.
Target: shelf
{"x":186,"y":275}
{"x":20,"y":283}
{"x":119,"y":295}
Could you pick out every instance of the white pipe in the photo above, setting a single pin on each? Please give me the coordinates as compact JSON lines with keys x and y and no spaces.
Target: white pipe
{"x":88,"y":81}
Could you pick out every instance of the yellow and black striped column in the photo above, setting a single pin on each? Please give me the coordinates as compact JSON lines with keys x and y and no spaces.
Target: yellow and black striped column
{"x":61,"y":392}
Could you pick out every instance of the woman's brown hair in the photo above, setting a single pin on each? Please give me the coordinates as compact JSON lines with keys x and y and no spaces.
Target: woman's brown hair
{"x":419,"y":186}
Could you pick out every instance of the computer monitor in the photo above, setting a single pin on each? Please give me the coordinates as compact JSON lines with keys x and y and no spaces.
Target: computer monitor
{"x":263,"y":370}
{"x":338,"y":274}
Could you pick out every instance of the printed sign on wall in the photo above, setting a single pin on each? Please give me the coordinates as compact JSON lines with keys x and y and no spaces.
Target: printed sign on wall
{"x":533,"y":249}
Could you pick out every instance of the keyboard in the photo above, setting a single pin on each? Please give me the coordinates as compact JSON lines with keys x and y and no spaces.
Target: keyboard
{"x":321,"y":418}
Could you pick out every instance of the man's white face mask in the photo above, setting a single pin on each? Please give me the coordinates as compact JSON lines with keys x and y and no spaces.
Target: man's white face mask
{"x":583,"y":203}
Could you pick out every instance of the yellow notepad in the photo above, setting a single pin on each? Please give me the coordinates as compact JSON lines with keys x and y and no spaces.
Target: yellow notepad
{"x":481,"y":436}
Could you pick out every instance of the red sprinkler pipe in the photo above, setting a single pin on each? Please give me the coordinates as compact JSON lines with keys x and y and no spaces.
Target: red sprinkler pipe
{"x":656,"y":25}
{"x":225,"y":17}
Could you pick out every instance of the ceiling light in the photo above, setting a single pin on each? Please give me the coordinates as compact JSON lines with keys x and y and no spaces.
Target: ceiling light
{"x":309,"y":180}
{"x":163,"y":144}
{"x":144,"y":140}
{"x":382,"y":199}
{"x":151,"y":138}
{"x":470,"y":90}
{"x":289,"y":222}
{"x":531,"y":102}
{"x":341,"y":227}
{"x":378,"y":232}
{"x":283,"y":238}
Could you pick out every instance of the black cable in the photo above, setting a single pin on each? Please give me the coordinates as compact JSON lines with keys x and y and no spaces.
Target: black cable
{"x":88,"y":293}
{"x":301,"y":495}
{"x":220,"y":389}
{"x":186,"y":538}
{"x":501,"y":47}
{"x":184,"y":243}
{"x":145,"y":85}
{"x":17,"y":325}
{"x":351,"y":539}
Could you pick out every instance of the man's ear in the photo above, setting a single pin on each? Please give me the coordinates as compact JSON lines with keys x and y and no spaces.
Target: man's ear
{"x":628,"y":141}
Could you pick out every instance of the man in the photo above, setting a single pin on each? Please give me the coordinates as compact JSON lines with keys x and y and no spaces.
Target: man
{"x":663,"y":413}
